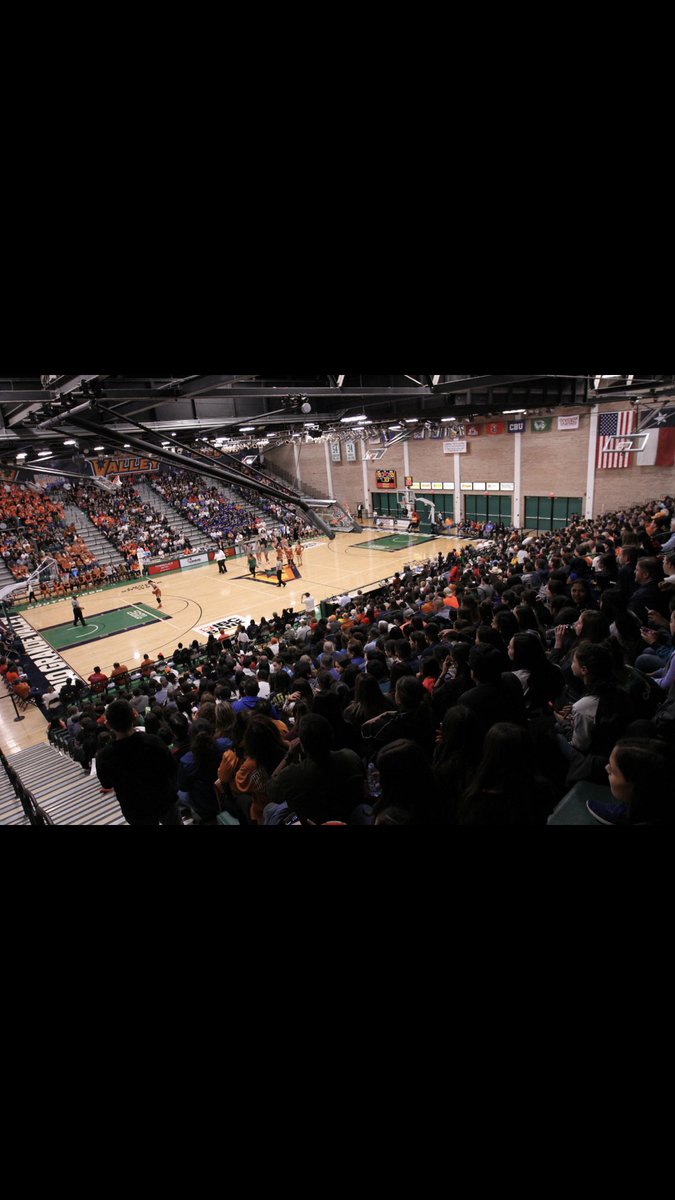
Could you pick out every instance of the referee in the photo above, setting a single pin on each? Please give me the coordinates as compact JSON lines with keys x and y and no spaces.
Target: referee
{"x":77,"y":611}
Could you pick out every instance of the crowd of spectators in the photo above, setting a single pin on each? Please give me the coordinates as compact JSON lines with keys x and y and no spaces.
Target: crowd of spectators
{"x":129,"y":524}
{"x":226,"y":521}
{"x":476,"y":690}
{"x":32,"y":528}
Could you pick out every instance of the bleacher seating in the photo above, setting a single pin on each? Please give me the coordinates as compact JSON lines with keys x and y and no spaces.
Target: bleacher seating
{"x":11,"y":809}
{"x":60,"y":789}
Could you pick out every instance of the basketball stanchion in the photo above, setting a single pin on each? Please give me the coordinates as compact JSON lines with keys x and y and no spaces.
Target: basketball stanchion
{"x":18,"y":716}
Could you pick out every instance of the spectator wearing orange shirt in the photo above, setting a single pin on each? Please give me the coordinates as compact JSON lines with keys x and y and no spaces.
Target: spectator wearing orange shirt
{"x":98,"y":682}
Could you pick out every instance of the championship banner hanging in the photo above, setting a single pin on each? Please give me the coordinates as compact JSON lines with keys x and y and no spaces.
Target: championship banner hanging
{"x":387,"y":481}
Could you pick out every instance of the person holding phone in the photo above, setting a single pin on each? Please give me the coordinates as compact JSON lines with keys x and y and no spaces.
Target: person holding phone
{"x":660,"y":656}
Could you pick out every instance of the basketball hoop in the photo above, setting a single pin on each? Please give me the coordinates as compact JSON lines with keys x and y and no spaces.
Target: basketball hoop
{"x":633,"y":444}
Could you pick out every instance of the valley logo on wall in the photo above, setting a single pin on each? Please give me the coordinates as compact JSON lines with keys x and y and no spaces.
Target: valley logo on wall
{"x":101,"y":468}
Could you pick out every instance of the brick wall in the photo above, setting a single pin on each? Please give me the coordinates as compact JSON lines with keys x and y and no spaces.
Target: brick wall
{"x":284,"y":458}
{"x":551,"y":462}
{"x":313,"y":466}
{"x":636,"y":485}
{"x":557,"y":461}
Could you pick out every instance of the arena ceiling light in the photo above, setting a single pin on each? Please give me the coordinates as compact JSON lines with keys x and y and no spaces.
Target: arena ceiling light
{"x":353,"y":420}
{"x":606,"y":381}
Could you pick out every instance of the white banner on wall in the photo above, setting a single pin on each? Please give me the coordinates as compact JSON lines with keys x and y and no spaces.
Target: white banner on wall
{"x":454,"y":447}
{"x":568,"y":422}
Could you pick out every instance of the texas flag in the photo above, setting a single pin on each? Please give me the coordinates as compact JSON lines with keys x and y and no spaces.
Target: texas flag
{"x":659,"y":428}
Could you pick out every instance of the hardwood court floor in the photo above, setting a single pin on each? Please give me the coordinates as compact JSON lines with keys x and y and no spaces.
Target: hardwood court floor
{"x":196,"y":598}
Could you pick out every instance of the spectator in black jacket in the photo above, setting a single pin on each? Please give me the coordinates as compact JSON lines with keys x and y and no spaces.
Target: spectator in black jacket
{"x":648,"y":595}
{"x":496,"y":697}
{"x":141,"y":770}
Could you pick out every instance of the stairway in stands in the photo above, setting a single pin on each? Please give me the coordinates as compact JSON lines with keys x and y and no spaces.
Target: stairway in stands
{"x":251,"y":511}
{"x":62,"y":790}
{"x":199,"y":541}
{"x":6,"y":577}
{"x":104,"y":551}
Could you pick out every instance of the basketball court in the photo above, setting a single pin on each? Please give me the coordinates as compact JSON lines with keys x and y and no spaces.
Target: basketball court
{"x":105,"y":625}
{"x":396,"y":541}
{"x":200,"y":599}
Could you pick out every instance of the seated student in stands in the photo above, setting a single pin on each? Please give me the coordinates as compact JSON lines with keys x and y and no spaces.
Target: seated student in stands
{"x":497,"y":697}
{"x":665,"y":674}
{"x":639,"y":772}
{"x":507,"y":790}
{"x":52,"y":701}
{"x":71,"y":691}
{"x":120,"y":674}
{"x":98,"y":682}
{"x":591,"y":726}
{"x":542,"y":682}
{"x":24,"y":691}
{"x":313,"y":780}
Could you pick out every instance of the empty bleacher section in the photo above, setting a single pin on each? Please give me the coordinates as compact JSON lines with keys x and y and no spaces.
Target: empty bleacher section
{"x":11,"y":809}
{"x":60,"y":791}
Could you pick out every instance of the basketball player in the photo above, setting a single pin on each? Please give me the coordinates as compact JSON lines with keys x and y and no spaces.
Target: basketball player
{"x":156,"y":593}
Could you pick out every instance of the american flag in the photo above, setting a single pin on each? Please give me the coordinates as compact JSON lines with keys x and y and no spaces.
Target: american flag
{"x":619,"y":426}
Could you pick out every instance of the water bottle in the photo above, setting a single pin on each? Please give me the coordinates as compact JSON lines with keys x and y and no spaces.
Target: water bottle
{"x":374,"y":782}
